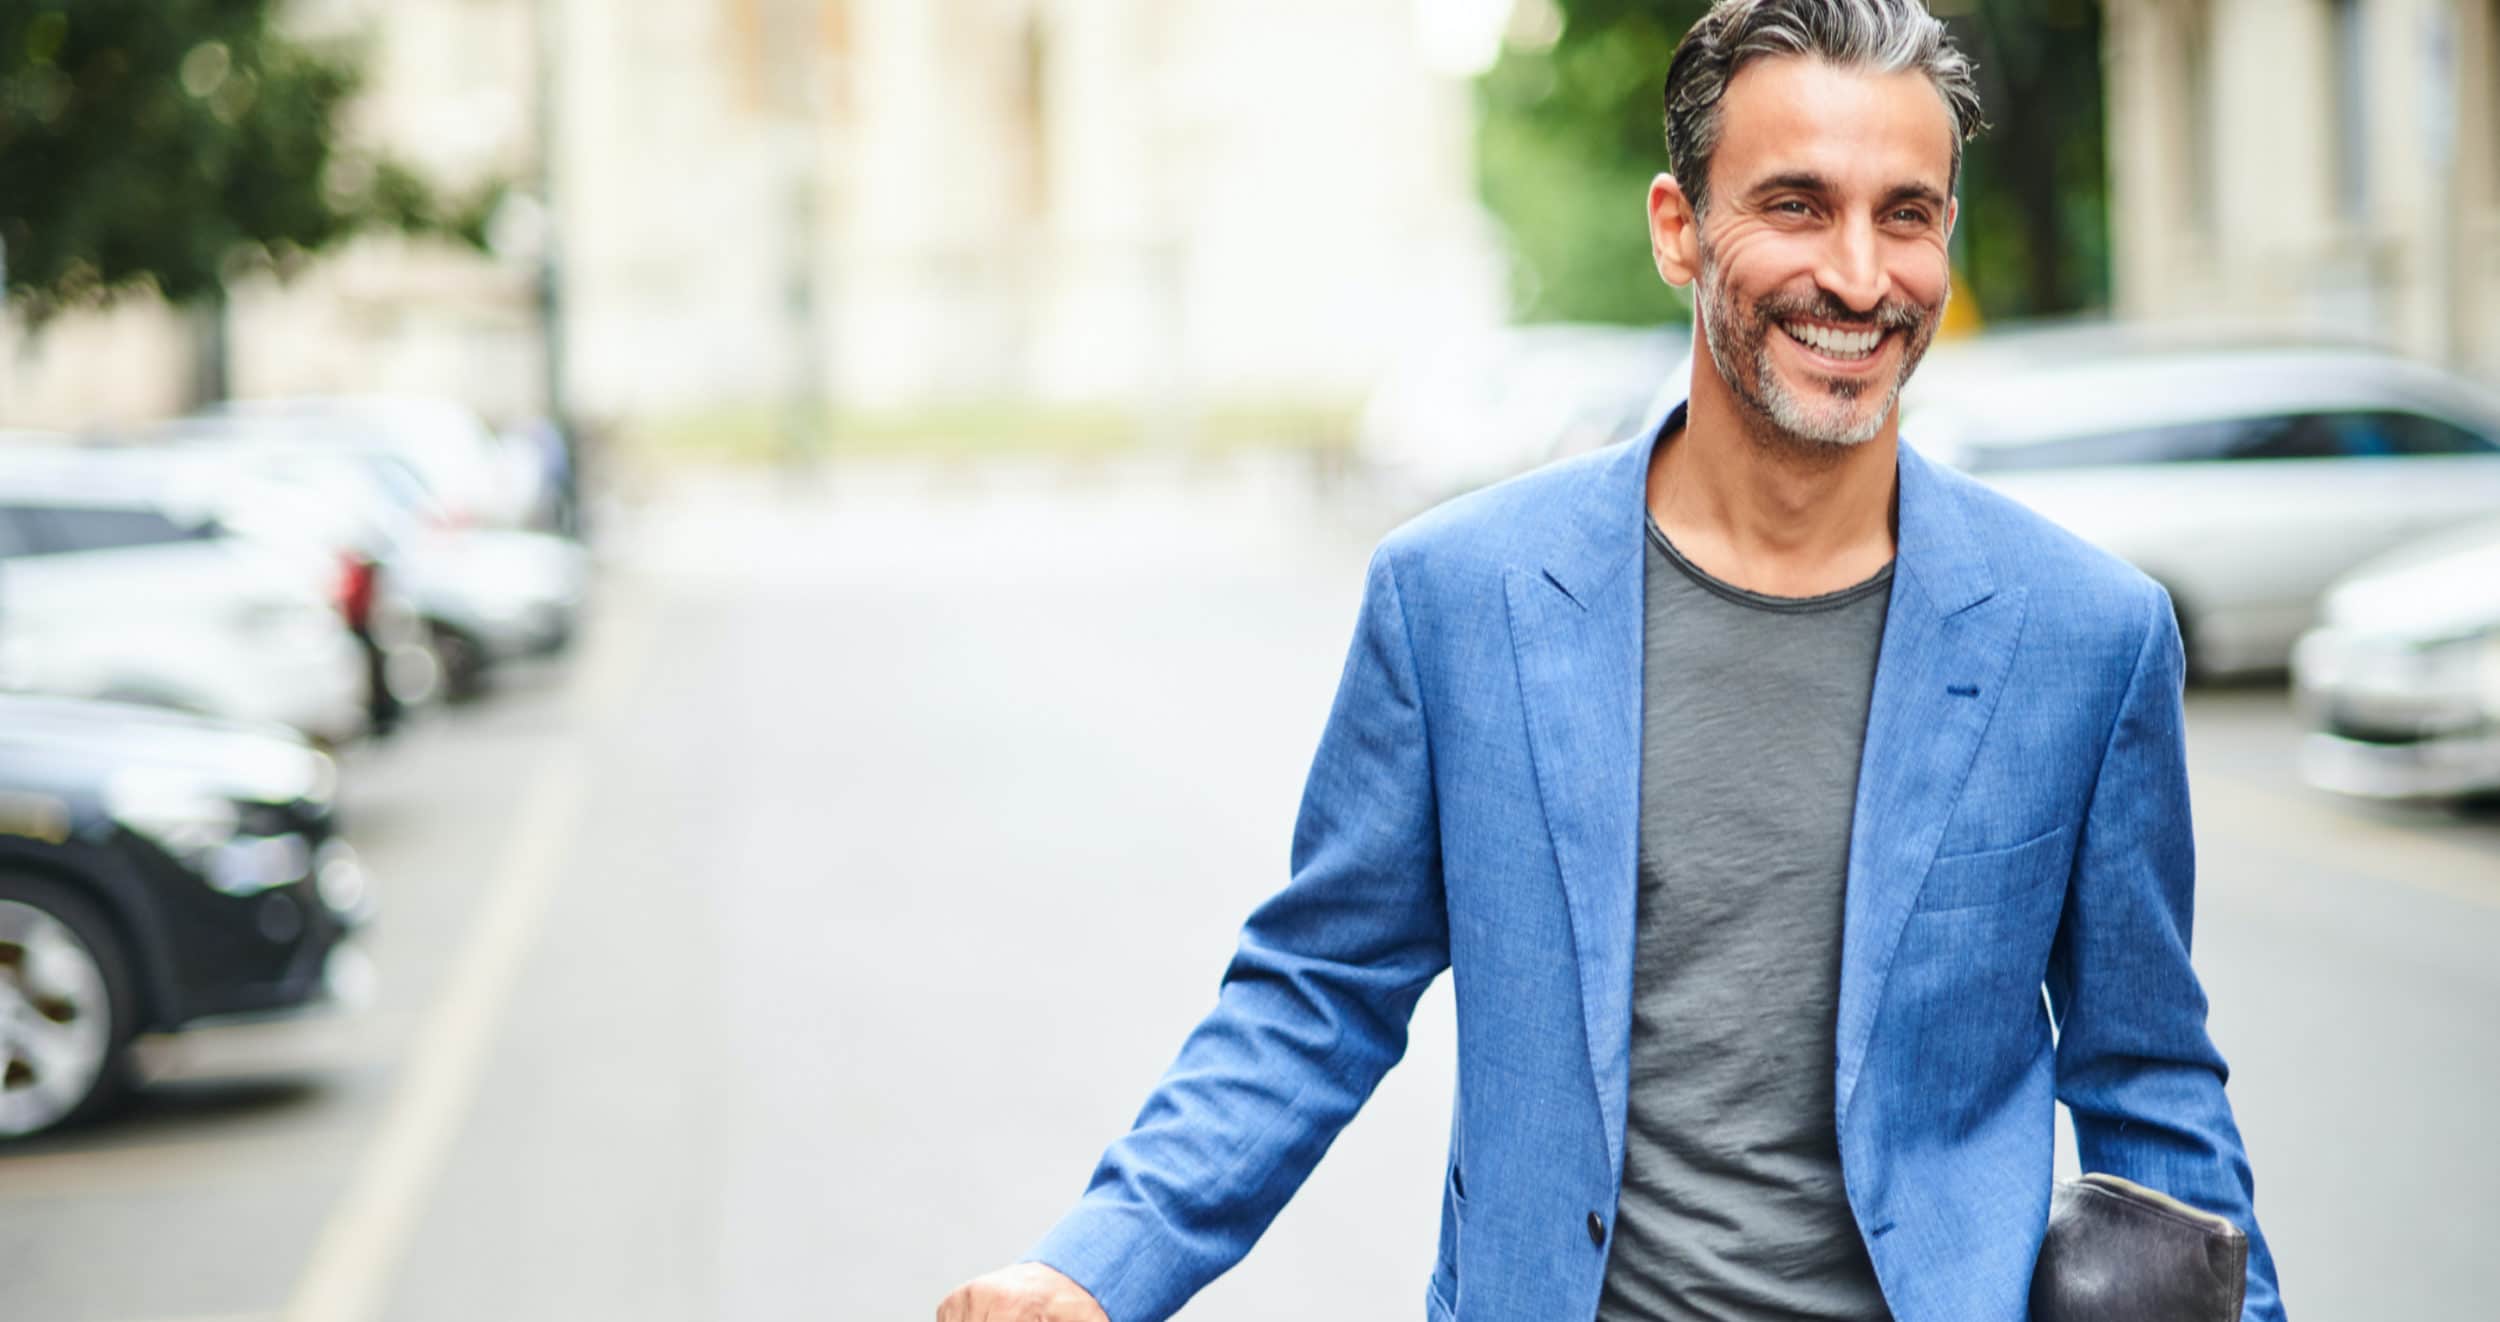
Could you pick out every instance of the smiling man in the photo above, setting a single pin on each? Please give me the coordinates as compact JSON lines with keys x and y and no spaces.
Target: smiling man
{"x":1755,"y":779}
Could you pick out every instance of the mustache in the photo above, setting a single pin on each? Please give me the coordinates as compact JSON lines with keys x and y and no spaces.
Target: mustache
{"x":1891,"y":314}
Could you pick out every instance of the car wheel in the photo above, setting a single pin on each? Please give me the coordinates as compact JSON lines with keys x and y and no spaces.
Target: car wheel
{"x":66,"y":1007}
{"x":463,"y":660}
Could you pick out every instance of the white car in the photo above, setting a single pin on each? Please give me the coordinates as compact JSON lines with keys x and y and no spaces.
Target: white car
{"x":112,"y":587}
{"x":2243,"y":480}
{"x":481,"y":478}
{"x":488,"y":595}
{"x":2400,"y":681}
{"x":1470,"y":410}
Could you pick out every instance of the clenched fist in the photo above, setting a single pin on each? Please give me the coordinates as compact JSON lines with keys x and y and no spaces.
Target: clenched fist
{"x":1026,"y":1292}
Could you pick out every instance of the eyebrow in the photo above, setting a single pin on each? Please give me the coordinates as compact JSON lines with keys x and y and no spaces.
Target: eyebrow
{"x":1915,"y":193}
{"x":1806,"y":181}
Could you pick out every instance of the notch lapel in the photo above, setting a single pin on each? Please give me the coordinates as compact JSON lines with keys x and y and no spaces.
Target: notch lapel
{"x":1949,"y":639}
{"x":1576,"y":634}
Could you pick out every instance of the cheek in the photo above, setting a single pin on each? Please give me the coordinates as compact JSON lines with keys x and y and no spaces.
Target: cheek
{"x":1923,"y":275}
{"x":1756,"y":261}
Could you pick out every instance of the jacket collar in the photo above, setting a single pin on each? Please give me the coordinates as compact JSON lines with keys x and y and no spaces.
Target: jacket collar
{"x":1934,"y":545}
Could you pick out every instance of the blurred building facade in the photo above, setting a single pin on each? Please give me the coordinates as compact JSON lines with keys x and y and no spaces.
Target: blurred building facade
{"x":2326,"y":163}
{"x":896,"y":202}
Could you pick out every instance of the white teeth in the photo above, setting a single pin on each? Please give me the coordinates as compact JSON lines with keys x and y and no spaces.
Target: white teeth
{"x":1838,"y":344}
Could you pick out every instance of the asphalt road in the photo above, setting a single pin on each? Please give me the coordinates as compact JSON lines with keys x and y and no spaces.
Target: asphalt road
{"x":791,"y":950}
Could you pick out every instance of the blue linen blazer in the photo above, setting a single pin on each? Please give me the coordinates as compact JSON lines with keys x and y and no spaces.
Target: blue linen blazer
{"x":2021,"y":824}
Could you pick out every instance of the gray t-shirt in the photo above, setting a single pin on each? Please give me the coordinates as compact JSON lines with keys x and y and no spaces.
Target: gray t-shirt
{"x":1754,"y":715}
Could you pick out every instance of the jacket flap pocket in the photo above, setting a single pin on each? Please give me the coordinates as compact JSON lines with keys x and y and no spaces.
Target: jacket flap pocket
{"x":1966,"y":881}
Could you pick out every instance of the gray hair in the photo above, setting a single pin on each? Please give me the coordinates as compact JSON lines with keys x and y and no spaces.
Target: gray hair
{"x":1884,"y":36}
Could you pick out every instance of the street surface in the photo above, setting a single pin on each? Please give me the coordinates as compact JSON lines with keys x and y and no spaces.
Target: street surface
{"x":790,"y":951}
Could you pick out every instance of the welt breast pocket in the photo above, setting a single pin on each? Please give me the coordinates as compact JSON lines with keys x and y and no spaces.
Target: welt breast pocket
{"x":1993,"y":876}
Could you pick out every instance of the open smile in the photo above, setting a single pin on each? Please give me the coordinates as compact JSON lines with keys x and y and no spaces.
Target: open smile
{"x":1840,"y":348}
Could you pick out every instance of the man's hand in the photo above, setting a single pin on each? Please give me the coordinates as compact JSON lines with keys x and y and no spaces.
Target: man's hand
{"x":1026,"y":1292}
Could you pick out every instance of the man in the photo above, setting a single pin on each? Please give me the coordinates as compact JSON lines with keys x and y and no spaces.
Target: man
{"x":1753,"y":778}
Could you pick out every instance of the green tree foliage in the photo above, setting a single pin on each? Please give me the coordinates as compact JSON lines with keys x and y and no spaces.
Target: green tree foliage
{"x":1571,"y":134}
{"x":2035,"y":187}
{"x":177,"y":144}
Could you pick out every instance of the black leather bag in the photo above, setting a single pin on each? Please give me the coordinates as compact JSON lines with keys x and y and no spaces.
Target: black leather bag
{"x":2119,"y":1252}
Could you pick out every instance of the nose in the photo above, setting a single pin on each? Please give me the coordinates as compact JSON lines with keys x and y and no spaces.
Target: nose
{"x":1852,"y":269}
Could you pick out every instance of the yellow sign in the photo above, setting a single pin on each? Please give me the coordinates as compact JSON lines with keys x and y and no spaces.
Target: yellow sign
{"x":1961,"y":315}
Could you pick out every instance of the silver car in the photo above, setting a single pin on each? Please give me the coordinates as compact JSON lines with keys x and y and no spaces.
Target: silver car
{"x":487,"y":595}
{"x":114,"y":583}
{"x":2244,"y":480}
{"x":2400,"y":682}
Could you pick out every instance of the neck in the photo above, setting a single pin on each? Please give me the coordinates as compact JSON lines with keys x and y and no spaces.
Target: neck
{"x":1767,"y":511}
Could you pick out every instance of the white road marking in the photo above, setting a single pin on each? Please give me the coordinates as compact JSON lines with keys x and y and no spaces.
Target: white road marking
{"x":353,"y":1263}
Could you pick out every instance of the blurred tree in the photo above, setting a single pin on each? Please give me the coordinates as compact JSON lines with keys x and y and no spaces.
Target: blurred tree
{"x":177,"y":145}
{"x":1570,"y":135}
{"x":2035,"y":187}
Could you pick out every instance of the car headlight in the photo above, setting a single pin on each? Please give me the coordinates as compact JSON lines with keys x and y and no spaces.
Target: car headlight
{"x":201,"y":830}
{"x":324,"y":781}
{"x":184,"y":818}
{"x":340,"y":878}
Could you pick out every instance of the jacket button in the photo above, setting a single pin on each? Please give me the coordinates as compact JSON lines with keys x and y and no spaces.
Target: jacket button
{"x":1597,"y":1231}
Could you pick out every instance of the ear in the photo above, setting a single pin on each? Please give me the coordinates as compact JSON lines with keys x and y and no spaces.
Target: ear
{"x":1674,"y":233}
{"x":1952,"y":211}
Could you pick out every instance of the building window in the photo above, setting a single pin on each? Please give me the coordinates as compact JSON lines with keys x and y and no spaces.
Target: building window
{"x":2200,"y":105}
{"x":1032,"y":111}
{"x":2488,"y":81}
{"x":2352,"y":124}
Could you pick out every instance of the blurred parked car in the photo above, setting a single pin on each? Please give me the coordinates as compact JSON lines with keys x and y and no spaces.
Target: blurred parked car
{"x":116,"y":584}
{"x":2242,"y":479}
{"x":2400,"y":682}
{"x":343,"y":545}
{"x":482,"y":479}
{"x":486,"y":595}
{"x":157,"y":873}
{"x":1464,"y":412}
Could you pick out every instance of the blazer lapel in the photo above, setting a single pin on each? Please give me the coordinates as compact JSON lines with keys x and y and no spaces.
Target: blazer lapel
{"x":1949,"y":639}
{"x":1576,"y":632}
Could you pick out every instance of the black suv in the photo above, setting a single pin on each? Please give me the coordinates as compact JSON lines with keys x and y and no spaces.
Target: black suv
{"x":156,"y":871}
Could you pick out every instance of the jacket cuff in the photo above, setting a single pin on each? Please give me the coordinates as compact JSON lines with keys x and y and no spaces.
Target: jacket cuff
{"x":1123,"y":1256}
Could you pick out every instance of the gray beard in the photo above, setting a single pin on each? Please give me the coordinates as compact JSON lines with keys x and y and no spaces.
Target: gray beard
{"x":1775,"y":413}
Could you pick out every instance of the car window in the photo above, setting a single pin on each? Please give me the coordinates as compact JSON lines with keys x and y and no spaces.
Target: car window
{"x":16,"y":532}
{"x":2388,"y":433}
{"x":2368,"y":435}
{"x":2180,"y":443}
{"x":402,"y":480}
{"x":2415,"y":433}
{"x":60,"y":529}
{"x":2276,"y":436}
{"x":2293,"y":436}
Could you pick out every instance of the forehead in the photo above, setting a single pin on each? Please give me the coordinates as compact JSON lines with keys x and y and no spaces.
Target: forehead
{"x":1859,"y":128}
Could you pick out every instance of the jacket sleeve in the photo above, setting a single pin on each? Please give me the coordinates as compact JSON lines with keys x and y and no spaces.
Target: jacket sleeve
{"x":1311,"y":1013}
{"x":2135,"y":1066}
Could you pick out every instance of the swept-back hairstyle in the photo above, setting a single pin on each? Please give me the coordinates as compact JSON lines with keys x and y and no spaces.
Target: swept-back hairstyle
{"x":1883,"y":36}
